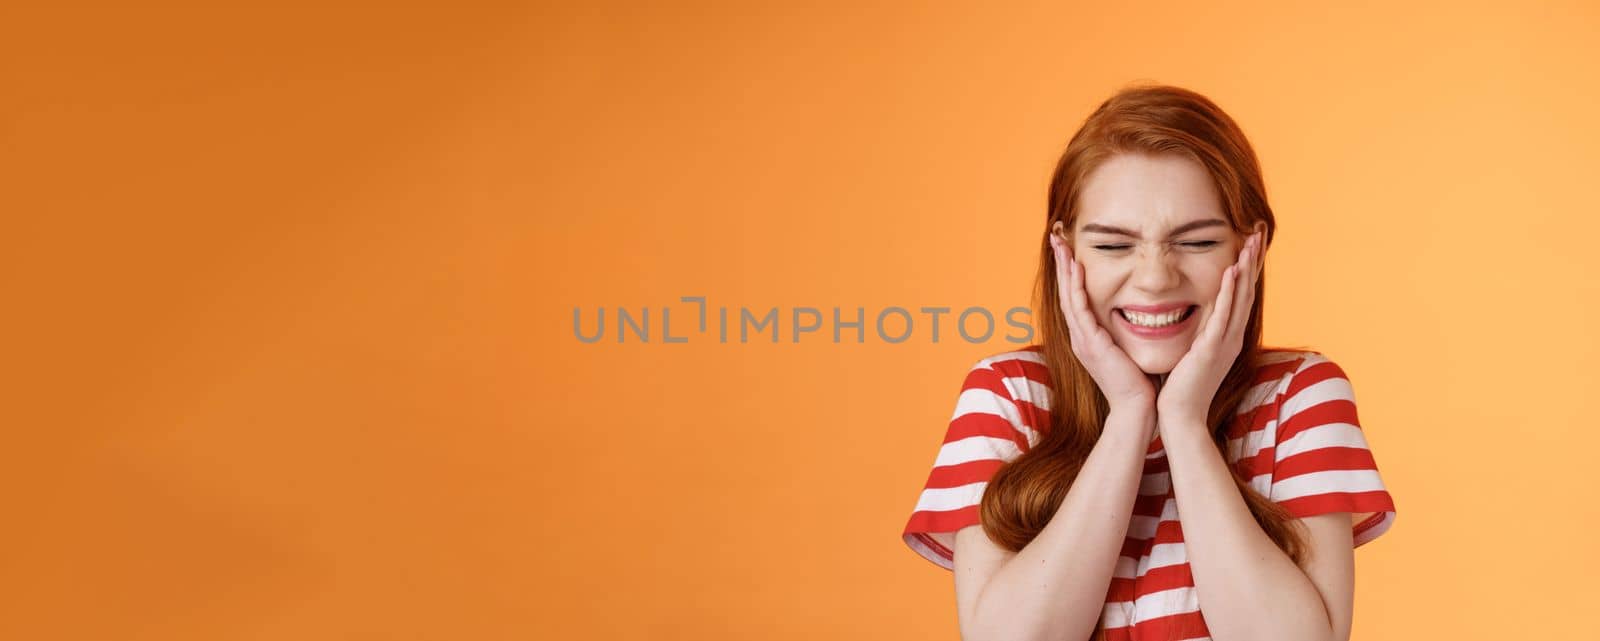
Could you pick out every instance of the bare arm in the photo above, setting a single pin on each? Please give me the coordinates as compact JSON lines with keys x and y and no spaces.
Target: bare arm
{"x":1055,"y":587}
{"x":1250,"y":589}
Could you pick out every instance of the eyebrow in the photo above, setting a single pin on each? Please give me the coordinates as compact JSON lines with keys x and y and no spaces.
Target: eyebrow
{"x":1180,"y":230}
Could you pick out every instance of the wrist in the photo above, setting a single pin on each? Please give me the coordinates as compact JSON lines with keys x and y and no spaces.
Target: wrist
{"x":1139,"y":407}
{"x":1181,"y":423}
{"x":1133,"y":414}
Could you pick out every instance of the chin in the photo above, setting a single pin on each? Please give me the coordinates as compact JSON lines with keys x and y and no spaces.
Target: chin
{"x":1156,"y":363}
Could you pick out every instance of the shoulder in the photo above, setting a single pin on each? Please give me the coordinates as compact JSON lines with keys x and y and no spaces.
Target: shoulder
{"x":1311,"y":380}
{"x":1020,"y":375}
{"x":1013,"y":386}
{"x":1018,"y":362}
{"x":1316,"y":371}
{"x":1291,"y":370}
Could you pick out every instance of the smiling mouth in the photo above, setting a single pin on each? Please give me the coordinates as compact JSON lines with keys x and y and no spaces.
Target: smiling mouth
{"x":1156,"y":321}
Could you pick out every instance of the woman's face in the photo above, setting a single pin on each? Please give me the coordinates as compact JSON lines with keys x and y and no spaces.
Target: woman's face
{"x":1153,"y":241}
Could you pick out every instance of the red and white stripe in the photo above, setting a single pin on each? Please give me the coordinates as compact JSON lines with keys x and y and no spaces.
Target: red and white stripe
{"x":1296,"y":438}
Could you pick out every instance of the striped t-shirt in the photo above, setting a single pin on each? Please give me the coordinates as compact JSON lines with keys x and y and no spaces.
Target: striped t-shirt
{"x":1296,"y":438}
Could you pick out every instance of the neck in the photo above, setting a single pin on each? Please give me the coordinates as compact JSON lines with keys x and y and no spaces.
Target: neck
{"x":1157,"y":380}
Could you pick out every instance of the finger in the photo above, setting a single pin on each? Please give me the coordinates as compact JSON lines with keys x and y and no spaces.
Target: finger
{"x":1089,"y":324}
{"x":1258,"y":258}
{"x":1064,"y":287}
{"x":1088,"y":327}
{"x":1246,"y":293}
{"x":1080,"y":333}
{"x":1222,"y":307}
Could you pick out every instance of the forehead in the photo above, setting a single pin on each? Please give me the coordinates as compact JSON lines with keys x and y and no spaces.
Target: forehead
{"x":1149,"y":193}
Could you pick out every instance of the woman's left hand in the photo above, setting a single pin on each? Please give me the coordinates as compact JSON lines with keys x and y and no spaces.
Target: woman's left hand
{"x":1186,"y":396}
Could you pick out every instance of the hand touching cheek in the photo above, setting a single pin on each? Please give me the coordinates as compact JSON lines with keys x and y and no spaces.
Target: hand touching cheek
{"x":1186,"y":396}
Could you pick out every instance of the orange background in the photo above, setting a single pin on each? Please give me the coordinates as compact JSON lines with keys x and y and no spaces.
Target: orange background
{"x":289,"y":293}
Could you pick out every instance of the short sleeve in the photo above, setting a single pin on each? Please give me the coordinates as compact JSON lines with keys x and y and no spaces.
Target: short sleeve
{"x":1000,"y":401}
{"x":1322,"y":463}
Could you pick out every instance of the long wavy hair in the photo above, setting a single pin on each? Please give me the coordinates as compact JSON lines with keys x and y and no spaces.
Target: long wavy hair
{"x":1152,"y":119}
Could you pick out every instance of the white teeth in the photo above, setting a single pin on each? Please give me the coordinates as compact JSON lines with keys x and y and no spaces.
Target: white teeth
{"x":1153,"y":320}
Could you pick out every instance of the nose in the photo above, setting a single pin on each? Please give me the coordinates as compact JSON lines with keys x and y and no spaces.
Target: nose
{"x":1155,"y":270}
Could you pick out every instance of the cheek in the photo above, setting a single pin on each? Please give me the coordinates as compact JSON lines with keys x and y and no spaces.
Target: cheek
{"x":1100,"y":292}
{"x":1208,"y":280}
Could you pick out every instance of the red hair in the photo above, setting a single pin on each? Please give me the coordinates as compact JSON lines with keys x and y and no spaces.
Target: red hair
{"x":1025,"y":493}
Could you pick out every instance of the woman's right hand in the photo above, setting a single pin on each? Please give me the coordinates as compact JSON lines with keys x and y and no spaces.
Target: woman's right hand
{"x":1126,"y":387}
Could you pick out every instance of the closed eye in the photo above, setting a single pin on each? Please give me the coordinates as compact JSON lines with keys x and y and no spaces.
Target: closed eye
{"x":1194,"y":244}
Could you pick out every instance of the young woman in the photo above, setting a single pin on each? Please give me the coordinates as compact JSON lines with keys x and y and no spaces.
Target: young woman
{"x":1149,"y":470}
